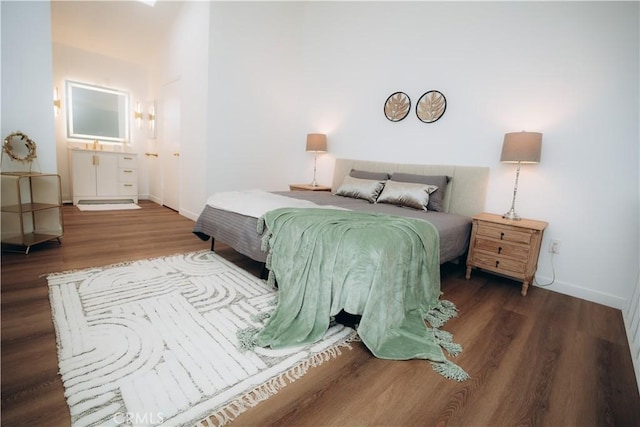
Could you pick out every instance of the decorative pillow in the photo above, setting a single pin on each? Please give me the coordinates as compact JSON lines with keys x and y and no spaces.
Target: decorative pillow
{"x":407,"y":194}
{"x":436,"y":199}
{"x":367,"y":189}
{"x":379,"y":176}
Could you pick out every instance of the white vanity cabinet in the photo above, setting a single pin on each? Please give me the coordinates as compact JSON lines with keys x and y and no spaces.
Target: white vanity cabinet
{"x":103,"y":175}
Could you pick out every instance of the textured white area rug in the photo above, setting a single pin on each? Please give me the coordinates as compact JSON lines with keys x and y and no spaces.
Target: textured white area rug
{"x":153,"y":342}
{"x":107,"y":206}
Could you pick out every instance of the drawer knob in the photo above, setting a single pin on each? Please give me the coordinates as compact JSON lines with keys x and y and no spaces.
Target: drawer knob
{"x":499,"y":249}
{"x":501,"y":235}
{"x":497,"y":262}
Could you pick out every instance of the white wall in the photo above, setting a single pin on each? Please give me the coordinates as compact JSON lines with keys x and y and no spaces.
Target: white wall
{"x":27,"y":90}
{"x":185,"y":58}
{"x":93,"y":68}
{"x":567,"y":69}
{"x":256,"y":138}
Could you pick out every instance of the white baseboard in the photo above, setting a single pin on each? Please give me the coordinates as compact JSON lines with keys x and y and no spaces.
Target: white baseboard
{"x":188,"y":214}
{"x":583,"y":293}
{"x":155,"y":199}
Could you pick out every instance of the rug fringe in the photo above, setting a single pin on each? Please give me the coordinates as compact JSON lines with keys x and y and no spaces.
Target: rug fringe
{"x":233,"y":409}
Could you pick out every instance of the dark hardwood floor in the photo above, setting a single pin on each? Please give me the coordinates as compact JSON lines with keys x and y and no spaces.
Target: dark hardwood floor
{"x":542,"y":360}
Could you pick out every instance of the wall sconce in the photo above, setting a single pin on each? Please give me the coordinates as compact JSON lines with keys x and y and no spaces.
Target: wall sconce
{"x":520,"y":147}
{"x":137,"y":115}
{"x":56,"y":102}
{"x":316,"y":142}
{"x":152,"y":119}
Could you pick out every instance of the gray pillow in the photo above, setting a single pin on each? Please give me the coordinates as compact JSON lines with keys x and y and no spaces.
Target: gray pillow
{"x":436,"y":199}
{"x":356,"y":188}
{"x":409,"y":194}
{"x":379,"y":176}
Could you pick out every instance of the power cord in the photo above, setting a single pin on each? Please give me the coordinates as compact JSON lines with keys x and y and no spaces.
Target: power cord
{"x":553,"y":271}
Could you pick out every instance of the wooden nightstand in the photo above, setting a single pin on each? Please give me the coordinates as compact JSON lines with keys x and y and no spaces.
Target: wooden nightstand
{"x":308,"y":187}
{"x":505,"y":247}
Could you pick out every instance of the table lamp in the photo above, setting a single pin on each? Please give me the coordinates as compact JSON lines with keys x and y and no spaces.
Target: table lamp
{"x":316,"y":142}
{"x":520,"y":147}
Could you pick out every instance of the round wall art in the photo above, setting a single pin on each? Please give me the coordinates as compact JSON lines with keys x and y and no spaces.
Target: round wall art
{"x":20,"y":147}
{"x":431,"y":106}
{"x":397,"y":106}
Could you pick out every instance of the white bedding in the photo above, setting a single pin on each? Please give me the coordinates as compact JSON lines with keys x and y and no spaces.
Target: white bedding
{"x":254,"y":203}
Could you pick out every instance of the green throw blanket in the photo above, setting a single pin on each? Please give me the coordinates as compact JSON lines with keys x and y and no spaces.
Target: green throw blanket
{"x":384,"y":268}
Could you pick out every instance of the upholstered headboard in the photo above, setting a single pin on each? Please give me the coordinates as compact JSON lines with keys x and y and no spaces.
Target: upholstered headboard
{"x":465,"y":194}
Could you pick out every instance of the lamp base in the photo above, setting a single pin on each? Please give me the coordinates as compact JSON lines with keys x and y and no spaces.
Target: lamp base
{"x":314,"y":183}
{"x":512,"y":215}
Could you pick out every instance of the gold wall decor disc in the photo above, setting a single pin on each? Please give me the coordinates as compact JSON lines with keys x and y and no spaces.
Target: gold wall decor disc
{"x":397,"y":106}
{"x":431,"y":106}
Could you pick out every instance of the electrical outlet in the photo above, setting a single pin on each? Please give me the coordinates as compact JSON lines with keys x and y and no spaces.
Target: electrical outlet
{"x":554,"y":246}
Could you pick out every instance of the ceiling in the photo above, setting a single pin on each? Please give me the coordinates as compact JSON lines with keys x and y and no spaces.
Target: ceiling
{"x":128,"y":30}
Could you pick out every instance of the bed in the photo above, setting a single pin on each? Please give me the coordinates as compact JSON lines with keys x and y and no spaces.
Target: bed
{"x":464,"y":196}
{"x":370,"y":249}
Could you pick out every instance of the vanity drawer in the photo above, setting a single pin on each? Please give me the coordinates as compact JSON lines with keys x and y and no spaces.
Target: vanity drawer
{"x":127,"y":161}
{"x":127,"y":175}
{"x":127,"y":189}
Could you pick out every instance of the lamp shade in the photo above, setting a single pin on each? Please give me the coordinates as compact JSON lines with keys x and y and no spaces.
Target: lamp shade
{"x":523,"y":147}
{"x":316,"y":142}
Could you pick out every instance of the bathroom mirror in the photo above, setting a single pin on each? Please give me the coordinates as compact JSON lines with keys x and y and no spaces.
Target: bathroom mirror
{"x":97,"y":113}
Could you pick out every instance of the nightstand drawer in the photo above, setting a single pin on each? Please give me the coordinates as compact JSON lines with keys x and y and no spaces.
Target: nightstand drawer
{"x":503,"y":233}
{"x":500,"y":247}
{"x":499,"y":264}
